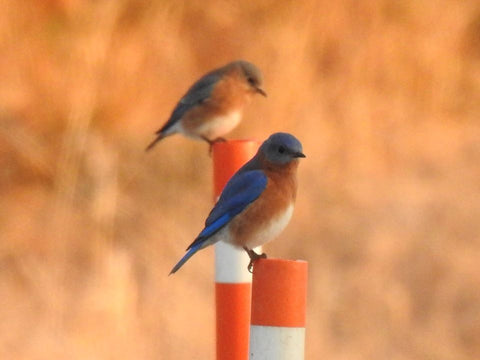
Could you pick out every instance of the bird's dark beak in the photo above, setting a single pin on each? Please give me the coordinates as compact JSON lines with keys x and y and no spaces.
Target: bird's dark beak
{"x":299,"y":155}
{"x":261,"y":91}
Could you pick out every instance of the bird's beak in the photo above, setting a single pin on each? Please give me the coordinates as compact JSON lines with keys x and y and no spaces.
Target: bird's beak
{"x":261,"y":91}
{"x":299,"y":155}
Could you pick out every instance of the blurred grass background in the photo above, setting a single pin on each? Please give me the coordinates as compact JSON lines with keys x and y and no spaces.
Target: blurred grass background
{"x":384,"y":95}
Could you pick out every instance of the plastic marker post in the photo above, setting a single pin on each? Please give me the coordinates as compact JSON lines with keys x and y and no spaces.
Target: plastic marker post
{"x":279,"y":294}
{"x":232,"y":279}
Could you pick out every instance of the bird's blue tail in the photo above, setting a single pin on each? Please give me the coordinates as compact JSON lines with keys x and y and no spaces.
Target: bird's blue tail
{"x":187,"y":256}
{"x":159,"y":137}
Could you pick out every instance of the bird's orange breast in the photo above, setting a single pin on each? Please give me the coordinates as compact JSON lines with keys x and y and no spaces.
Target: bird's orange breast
{"x":271,"y":210}
{"x":224,"y":106}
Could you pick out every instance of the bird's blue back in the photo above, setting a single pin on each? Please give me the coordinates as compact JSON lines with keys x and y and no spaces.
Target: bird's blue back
{"x":241,"y":190}
{"x":198,"y":92}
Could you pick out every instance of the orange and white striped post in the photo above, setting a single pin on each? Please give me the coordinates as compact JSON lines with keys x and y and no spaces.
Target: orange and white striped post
{"x":232,"y":279}
{"x":279,"y":296}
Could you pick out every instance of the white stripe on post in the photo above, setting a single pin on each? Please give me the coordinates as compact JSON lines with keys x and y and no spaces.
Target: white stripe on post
{"x":231,"y":264}
{"x":280,"y":343}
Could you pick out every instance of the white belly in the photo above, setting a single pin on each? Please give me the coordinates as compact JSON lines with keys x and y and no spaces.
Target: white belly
{"x":272,"y":230}
{"x":268,"y":233}
{"x":216,"y":127}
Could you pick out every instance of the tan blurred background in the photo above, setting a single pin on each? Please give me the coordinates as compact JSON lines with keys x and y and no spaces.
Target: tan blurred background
{"x":384,"y":95}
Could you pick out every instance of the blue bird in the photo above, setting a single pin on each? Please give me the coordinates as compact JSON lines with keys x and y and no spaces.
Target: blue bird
{"x":213,"y":105}
{"x":256,"y":203}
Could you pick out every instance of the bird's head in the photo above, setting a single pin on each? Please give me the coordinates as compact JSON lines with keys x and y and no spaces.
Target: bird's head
{"x":253,"y":76}
{"x":281,"y":148}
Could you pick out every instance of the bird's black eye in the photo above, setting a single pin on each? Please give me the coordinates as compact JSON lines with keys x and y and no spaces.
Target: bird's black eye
{"x":251,"y":80}
{"x":281,"y":150}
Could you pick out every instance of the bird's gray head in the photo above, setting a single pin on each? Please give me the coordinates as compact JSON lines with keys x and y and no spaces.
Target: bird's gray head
{"x":282,"y":148}
{"x":253,"y":76}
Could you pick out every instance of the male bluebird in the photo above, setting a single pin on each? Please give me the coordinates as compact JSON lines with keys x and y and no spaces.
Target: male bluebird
{"x":257,"y":202}
{"x":213,"y":105}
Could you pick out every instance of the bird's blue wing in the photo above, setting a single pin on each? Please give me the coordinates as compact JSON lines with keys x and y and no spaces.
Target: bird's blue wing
{"x":198,"y":92}
{"x":242,"y":189}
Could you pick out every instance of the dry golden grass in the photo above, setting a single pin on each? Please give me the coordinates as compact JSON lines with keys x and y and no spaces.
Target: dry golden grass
{"x":384,"y":95}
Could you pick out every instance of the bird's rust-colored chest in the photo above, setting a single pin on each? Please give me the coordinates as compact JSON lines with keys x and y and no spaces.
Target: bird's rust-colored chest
{"x":221,"y":112}
{"x":231,"y":92}
{"x":272,"y":207}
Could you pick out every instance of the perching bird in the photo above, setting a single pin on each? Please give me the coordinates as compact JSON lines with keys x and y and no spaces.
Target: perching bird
{"x":257,"y":202}
{"x":213,"y":106}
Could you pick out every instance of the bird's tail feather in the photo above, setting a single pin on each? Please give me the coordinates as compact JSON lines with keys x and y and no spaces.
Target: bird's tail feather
{"x":185,"y":257}
{"x":159,"y":137}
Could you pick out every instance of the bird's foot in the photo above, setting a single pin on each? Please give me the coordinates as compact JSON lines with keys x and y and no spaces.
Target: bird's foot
{"x":218,"y":139}
{"x":253,"y":257}
{"x":212,"y":142}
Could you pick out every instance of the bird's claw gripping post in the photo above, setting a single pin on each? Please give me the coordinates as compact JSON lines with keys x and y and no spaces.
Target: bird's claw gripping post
{"x":253,"y":257}
{"x":212,"y":142}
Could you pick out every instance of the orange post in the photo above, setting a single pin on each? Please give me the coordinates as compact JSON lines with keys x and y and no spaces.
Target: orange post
{"x":279,"y":295}
{"x":232,"y":280}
